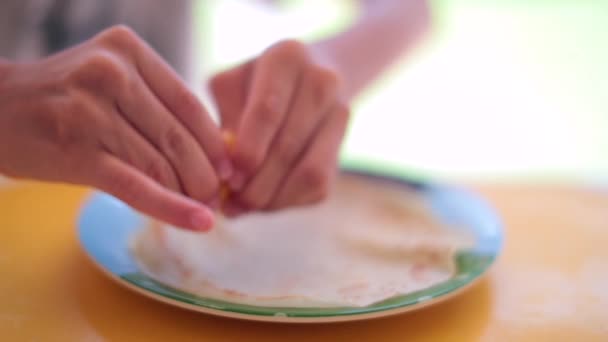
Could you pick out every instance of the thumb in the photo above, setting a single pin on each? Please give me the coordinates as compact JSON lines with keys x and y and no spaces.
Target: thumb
{"x":144,"y":194}
{"x":229,"y":88}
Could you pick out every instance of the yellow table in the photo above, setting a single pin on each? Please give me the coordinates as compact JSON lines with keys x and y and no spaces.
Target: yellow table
{"x":550,"y":284}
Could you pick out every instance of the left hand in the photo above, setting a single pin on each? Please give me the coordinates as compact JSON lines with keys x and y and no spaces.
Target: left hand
{"x":289,"y":117}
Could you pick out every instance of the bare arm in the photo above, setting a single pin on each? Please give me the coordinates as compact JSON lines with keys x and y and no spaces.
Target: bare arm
{"x":384,"y":30}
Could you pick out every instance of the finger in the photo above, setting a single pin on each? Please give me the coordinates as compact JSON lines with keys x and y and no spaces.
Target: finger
{"x":315,"y":96}
{"x":273,"y":83}
{"x":153,"y":121}
{"x":172,"y":92}
{"x":310,"y":180}
{"x":133,"y":149}
{"x":229,"y":89}
{"x":142,"y":193}
{"x":224,"y":192}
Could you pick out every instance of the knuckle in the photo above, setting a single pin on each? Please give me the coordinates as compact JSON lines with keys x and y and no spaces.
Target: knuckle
{"x":343,"y":112}
{"x":173,"y":140}
{"x":124,"y":186}
{"x":159,"y":173}
{"x":314,"y":178}
{"x":286,"y":149}
{"x":185,"y":101}
{"x":267,"y":112}
{"x":103,"y":62}
{"x":121,"y":37}
{"x":249,"y":159}
{"x":101,"y":70}
{"x":325,"y":76}
{"x":291,"y":49}
{"x":323,"y":84}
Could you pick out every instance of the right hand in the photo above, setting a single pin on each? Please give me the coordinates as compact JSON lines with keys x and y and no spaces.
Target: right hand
{"x":112,"y":114}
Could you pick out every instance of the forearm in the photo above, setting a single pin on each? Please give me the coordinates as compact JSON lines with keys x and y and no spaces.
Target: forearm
{"x":384,"y":30}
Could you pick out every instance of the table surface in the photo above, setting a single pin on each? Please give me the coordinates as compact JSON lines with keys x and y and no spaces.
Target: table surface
{"x":550,"y":284}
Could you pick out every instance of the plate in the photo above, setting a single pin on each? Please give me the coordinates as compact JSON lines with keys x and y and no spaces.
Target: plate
{"x":106,"y":225}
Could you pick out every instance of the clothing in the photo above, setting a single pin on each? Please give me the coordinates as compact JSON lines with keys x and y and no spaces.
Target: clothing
{"x":30,"y":29}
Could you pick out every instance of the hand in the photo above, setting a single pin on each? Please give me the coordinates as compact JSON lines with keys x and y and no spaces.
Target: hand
{"x":287,"y":111}
{"x":112,"y":114}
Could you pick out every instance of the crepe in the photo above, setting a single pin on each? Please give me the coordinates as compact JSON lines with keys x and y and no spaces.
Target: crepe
{"x":369,"y":241}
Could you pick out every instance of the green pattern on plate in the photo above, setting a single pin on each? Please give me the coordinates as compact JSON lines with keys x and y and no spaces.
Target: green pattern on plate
{"x":106,"y":225}
{"x":469,"y":266}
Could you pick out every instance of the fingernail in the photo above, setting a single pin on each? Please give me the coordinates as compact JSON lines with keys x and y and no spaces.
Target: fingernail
{"x":225,"y":170}
{"x":201,"y":221}
{"x":237,"y":181}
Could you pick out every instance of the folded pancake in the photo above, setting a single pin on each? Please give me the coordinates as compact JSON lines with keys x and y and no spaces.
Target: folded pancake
{"x":369,"y":241}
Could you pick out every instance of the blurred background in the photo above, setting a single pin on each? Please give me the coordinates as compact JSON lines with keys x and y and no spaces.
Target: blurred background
{"x":500,"y":90}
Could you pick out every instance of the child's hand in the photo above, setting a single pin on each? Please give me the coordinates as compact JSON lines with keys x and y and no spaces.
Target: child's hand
{"x":289,"y":118}
{"x":110,"y":113}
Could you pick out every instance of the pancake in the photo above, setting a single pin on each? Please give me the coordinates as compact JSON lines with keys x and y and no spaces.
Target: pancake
{"x":369,"y":241}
